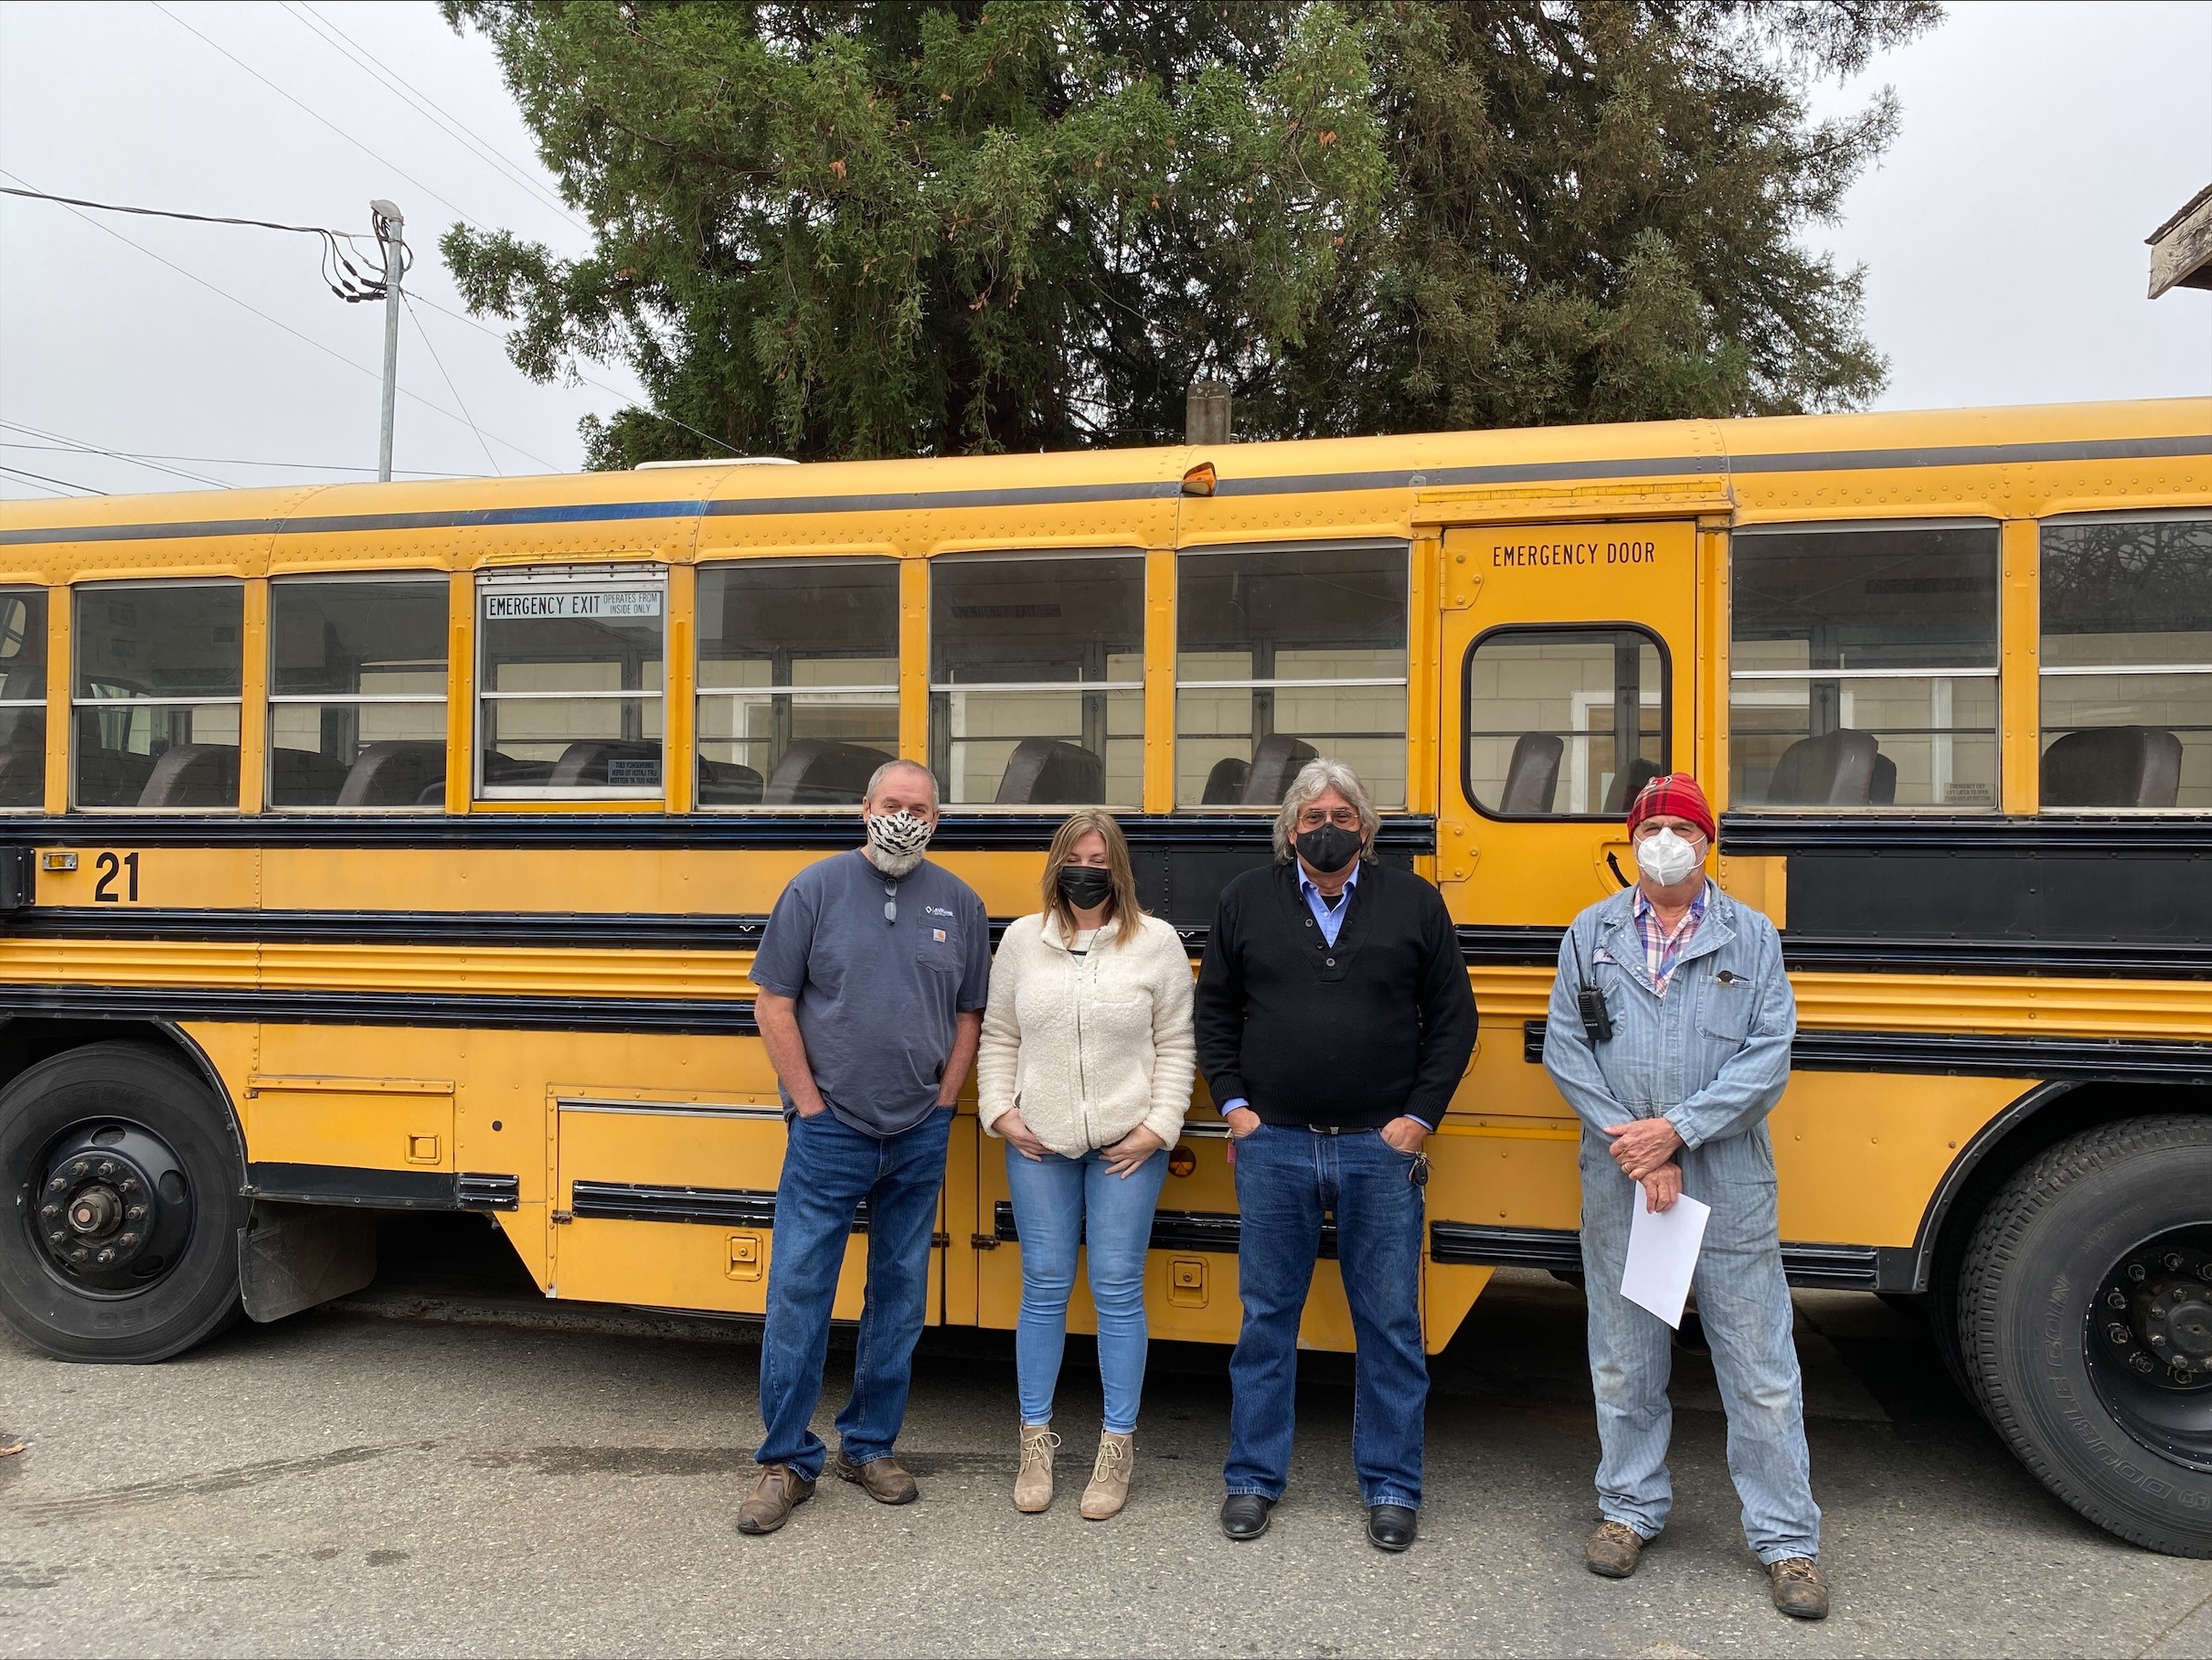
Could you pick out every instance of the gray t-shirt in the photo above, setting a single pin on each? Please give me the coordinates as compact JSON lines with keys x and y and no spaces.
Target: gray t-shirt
{"x":876,"y":999}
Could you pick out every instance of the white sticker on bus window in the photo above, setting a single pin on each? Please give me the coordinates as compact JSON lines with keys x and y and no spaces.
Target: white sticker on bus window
{"x":525,"y":605}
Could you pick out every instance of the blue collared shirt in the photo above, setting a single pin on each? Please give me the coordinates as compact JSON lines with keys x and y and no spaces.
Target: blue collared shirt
{"x":1331,"y":921}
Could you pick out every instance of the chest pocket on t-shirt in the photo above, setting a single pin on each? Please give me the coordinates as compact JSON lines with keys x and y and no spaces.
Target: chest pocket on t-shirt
{"x":1724,"y":1006}
{"x":939,"y":948}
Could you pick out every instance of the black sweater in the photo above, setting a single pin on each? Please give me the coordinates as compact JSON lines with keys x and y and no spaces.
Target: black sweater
{"x":1376,"y":1026}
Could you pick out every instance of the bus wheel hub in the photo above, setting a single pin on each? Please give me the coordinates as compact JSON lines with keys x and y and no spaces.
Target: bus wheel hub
{"x":113,"y":1209}
{"x":2154,"y":1315}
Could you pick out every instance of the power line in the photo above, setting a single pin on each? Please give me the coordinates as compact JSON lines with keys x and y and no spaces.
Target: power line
{"x":295,"y":334}
{"x":423,"y":105}
{"x":288,"y":98}
{"x":40,"y":478}
{"x":219,"y":461}
{"x":612,"y":392}
{"x":423,"y":336}
{"x":197,"y":478}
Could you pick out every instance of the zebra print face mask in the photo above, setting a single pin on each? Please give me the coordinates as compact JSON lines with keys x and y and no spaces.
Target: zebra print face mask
{"x":896,"y":840}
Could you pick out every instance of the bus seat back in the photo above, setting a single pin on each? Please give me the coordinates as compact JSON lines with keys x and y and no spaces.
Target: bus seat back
{"x":1532,"y":776}
{"x":821,"y":772}
{"x":1275,"y":762}
{"x":2123,"y":766}
{"x":193,"y":775}
{"x":393,"y":773}
{"x":1835,"y":770}
{"x":1044,"y":771}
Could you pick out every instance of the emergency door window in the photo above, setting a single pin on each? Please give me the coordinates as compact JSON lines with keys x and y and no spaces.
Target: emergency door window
{"x":1564,"y":722}
{"x":1863,"y":667}
{"x":569,"y":680}
{"x":2127,"y":664}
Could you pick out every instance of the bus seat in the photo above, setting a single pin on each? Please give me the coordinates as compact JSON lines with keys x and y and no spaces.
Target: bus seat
{"x":821,"y":772}
{"x":1883,"y":792}
{"x":1532,"y":776}
{"x":1275,"y":762}
{"x":1225,"y":784}
{"x":193,"y":775}
{"x":585,"y":760}
{"x":23,"y":776}
{"x":394,"y":773}
{"x":1835,"y":770}
{"x":293,"y":773}
{"x":110,"y":777}
{"x":2124,"y":766}
{"x":728,"y":784}
{"x":1626,"y":786}
{"x":1044,"y":771}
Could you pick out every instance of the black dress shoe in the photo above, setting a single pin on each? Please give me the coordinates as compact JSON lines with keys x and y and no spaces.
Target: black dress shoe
{"x":1391,"y":1527}
{"x":1244,"y":1515}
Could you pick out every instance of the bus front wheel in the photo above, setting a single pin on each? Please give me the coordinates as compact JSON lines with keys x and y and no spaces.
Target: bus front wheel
{"x":2084,"y":1326}
{"x":123,"y":1241}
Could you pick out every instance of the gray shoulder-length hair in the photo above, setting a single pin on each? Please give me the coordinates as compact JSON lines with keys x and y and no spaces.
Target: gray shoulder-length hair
{"x":1316,"y":779}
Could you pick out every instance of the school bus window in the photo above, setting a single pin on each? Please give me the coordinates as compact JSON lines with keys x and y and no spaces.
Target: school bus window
{"x":22,"y":700}
{"x":2127,"y":663}
{"x":1036,"y":671}
{"x":357,"y":692}
{"x":157,"y":694}
{"x":1284,"y":654}
{"x":798,"y":681}
{"x":1863,"y":667}
{"x":570,"y":683}
{"x":1564,"y":722}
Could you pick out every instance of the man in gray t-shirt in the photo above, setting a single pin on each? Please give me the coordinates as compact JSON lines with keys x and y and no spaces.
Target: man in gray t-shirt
{"x":872,"y":977}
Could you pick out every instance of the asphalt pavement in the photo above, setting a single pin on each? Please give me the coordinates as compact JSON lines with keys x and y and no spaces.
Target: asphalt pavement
{"x":449,"y":1464}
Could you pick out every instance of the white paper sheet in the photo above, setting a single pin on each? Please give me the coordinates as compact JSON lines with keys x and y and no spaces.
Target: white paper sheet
{"x":1662,"y":1253}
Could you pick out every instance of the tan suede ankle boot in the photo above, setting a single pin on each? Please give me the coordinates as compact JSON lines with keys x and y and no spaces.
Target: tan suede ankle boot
{"x":1033,"y":1483}
{"x":1109,"y":1489}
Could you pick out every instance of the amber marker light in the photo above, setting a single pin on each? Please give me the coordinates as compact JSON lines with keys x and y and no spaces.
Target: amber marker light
{"x":1182,"y":1162}
{"x":1200,"y":480}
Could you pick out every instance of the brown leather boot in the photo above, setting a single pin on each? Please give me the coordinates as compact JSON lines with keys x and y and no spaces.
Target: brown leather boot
{"x":1613,"y":1550}
{"x":882,"y":1478}
{"x":1799,"y":1590}
{"x":1109,"y":1489}
{"x":782,"y":1490}
{"x":1033,"y":1480}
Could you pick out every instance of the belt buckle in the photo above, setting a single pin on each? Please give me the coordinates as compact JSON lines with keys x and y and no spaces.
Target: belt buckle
{"x":1327,"y":1128}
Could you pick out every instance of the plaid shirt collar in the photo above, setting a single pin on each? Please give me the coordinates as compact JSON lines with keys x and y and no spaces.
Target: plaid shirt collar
{"x":1662,"y":950}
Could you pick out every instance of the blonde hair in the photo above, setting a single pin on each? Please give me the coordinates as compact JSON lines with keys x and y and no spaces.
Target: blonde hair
{"x":1122,"y":911}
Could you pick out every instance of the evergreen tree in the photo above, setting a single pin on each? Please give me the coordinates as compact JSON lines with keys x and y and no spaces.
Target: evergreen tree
{"x":948,"y":226}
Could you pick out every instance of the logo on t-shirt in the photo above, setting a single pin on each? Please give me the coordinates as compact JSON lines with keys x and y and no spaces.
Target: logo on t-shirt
{"x":936,"y":911}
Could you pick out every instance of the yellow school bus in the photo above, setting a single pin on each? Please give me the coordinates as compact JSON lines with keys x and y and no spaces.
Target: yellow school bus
{"x":402,"y":847}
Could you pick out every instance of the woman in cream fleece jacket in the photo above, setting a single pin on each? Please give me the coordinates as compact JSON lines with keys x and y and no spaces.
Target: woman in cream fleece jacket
{"x":1085,"y":1071}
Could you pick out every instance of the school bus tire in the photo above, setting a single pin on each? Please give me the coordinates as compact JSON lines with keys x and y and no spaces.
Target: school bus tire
{"x":148,"y":1173}
{"x":2098,"y":1245}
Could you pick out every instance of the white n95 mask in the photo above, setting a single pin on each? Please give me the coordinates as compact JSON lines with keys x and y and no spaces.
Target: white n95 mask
{"x":1665,"y":857}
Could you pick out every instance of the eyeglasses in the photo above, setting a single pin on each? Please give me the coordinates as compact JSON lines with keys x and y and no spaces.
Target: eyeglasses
{"x":891,"y":906}
{"x":1344,"y":818}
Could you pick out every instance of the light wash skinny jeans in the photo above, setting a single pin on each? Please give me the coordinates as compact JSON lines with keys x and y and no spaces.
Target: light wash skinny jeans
{"x":1711,"y":1057}
{"x":1059,"y":1204}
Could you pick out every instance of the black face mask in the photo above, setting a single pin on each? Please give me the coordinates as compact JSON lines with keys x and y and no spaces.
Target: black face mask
{"x":1085,"y":886}
{"x":1329,"y":848}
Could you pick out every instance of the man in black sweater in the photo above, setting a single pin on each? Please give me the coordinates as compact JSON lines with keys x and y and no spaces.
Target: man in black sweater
{"x":1334,"y":1022}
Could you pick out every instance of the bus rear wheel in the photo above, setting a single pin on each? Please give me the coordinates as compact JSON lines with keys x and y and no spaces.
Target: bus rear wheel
{"x":123,"y":1244}
{"x":2085,"y":1326}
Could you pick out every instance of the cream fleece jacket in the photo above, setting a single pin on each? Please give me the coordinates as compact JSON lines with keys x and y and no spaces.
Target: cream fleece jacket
{"x":1088,"y":1047}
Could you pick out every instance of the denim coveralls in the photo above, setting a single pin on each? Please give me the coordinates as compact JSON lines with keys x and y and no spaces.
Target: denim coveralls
{"x":1711,"y":1057}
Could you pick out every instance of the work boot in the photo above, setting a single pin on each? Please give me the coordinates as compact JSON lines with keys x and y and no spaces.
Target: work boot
{"x":781,"y":1489}
{"x":1033,"y":1480}
{"x":1613,"y":1550}
{"x":1109,"y":1489}
{"x":885,"y":1481}
{"x":1799,"y":1590}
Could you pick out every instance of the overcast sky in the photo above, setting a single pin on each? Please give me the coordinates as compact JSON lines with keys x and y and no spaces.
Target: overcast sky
{"x":2003,"y":233}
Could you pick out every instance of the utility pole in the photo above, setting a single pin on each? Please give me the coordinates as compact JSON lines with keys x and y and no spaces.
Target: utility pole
{"x":388,"y":224}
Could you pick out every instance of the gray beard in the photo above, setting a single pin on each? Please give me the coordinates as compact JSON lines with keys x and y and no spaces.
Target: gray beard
{"x":891,"y":864}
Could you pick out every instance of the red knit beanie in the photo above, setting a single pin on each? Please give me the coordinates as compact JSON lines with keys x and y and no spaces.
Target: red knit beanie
{"x":1675,"y":795}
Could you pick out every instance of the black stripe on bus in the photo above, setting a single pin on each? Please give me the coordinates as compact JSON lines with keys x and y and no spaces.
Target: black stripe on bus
{"x":476,"y":1011}
{"x":1402,"y":834}
{"x":1136,"y":490}
{"x":1979,"y":1054}
{"x":1483,"y":946}
{"x":1781,"y":834}
{"x":382,"y":1189}
{"x":1559,"y":1250}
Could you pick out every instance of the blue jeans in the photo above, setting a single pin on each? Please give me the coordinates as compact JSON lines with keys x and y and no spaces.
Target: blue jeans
{"x":1743,"y":1303}
{"x":1287,"y":1177}
{"x":828,"y":1169}
{"x":1059,"y":1203}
